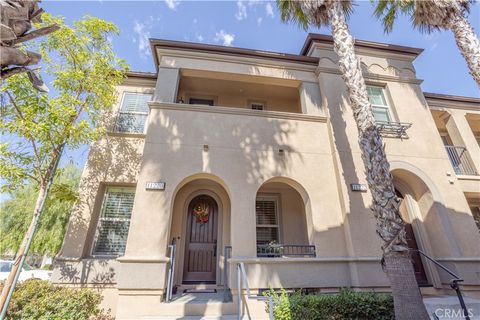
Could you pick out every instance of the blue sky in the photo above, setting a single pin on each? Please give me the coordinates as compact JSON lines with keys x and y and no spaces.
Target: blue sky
{"x":256,"y":24}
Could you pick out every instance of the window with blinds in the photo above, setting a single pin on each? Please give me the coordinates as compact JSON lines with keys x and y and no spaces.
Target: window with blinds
{"x":379,"y":104}
{"x":133,"y":112}
{"x":267,"y":220}
{"x":114,"y":222}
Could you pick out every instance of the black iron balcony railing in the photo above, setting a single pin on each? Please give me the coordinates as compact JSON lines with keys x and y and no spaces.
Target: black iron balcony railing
{"x":461,"y":161}
{"x":393,"y":129}
{"x":285,"y":250}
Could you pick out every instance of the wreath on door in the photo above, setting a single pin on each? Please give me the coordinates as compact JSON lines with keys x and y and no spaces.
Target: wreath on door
{"x":201,"y":212}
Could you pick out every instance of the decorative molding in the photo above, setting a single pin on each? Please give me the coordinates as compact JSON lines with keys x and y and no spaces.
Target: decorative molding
{"x":251,"y":61}
{"x":369,"y":76}
{"x":387,"y":70}
{"x":441,"y":106}
{"x":237,"y":111}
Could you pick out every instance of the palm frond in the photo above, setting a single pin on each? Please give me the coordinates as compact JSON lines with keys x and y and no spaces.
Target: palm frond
{"x":308,"y":12}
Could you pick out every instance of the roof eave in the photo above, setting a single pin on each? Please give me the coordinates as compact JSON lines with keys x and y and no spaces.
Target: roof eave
{"x":312,"y":37}
{"x":215,"y":49}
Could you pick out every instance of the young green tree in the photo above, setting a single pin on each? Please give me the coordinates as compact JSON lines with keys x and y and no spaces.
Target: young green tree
{"x":390,"y":226}
{"x":16,"y":213}
{"x":85,"y":73}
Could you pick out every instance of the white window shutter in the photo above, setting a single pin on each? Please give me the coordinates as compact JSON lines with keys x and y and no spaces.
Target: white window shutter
{"x":114,"y":222}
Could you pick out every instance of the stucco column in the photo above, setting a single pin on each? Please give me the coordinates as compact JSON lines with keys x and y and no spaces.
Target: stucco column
{"x":310,"y":98}
{"x":461,"y":134}
{"x":243,"y":223}
{"x":167,"y":84}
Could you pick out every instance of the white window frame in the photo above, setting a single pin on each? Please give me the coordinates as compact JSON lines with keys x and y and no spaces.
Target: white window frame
{"x":262,"y":103}
{"x":120,"y":112}
{"x":99,"y":220}
{"x":387,"y":106}
{"x":276,"y":199}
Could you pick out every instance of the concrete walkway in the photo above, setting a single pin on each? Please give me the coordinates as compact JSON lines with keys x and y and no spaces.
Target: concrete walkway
{"x":448,"y":307}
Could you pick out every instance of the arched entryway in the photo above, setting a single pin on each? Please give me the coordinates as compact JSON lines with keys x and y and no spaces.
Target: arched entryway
{"x":200,"y":262}
{"x":281,"y":207}
{"x":201,"y":227}
{"x":417,"y":208}
{"x":417,"y":262}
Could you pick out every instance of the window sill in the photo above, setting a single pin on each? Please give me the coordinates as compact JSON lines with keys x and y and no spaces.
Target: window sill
{"x":127,"y":135}
{"x":468,"y":177}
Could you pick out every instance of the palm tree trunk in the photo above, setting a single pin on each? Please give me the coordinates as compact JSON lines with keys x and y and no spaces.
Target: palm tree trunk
{"x":390,"y":226}
{"x":468,"y":44}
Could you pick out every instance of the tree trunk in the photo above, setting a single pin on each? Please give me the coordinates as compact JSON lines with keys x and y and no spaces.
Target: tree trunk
{"x":22,"y":252}
{"x":23,"y":249}
{"x":468,"y":44}
{"x":406,"y":294}
{"x":390,"y":226}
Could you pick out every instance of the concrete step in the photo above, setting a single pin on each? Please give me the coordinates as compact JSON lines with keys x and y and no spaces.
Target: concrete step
{"x":199,"y":304}
{"x":448,"y":307}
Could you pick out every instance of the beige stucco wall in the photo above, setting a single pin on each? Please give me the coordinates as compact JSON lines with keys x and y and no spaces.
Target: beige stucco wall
{"x":233,"y":153}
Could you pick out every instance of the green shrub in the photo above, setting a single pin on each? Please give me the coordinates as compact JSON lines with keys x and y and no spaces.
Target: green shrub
{"x":40,"y":300}
{"x":344,"y":305}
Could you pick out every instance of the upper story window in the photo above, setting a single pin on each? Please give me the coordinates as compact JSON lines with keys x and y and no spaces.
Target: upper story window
{"x":380,"y":108}
{"x":257,"y":105}
{"x":207,"y":102}
{"x":114,"y":221}
{"x":133,"y":112}
{"x":267,"y":220}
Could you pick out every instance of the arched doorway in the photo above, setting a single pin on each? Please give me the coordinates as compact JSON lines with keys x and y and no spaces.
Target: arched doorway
{"x":200,"y":264}
{"x":210,"y":234}
{"x":418,"y":267}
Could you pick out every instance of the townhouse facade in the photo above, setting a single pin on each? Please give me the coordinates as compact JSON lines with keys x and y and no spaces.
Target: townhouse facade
{"x":229,"y":157}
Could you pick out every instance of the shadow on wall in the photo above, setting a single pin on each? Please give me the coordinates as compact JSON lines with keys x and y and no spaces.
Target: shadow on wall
{"x":111,"y":158}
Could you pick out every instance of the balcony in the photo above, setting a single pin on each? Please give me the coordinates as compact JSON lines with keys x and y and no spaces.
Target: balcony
{"x":393,"y":129}
{"x":461,"y":161}
{"x":285,"y":250}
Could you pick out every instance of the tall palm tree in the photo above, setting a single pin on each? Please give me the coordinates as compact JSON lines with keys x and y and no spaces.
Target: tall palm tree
{"x":390,"y":226}
{"x":431,"y":15}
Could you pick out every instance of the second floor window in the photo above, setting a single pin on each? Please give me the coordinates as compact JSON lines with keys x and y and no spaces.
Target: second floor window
{"x":380,"y":106}
{"x":133,"y":112}
{"x":114,"y":222}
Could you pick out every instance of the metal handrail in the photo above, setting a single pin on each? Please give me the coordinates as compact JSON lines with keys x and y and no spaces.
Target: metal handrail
{"x":242,"y":275}
{"x":226,"y":290}
{"x":171,"y":270}
{"x":453,"y":283}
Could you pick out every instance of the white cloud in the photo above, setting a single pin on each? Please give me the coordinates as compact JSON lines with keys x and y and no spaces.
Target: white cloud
{"x":143,"y":33}
{"x":225,"y":38}
{"x":259,"y":20}
{"x":269,"y":10}
{"x":241,"y":11}
{"x":195,"y":20}
{"x":172,"y":4}
{"x":199,"y":38}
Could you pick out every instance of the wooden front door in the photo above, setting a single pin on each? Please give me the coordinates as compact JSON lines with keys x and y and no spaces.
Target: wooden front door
{"x":200,"y":263}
